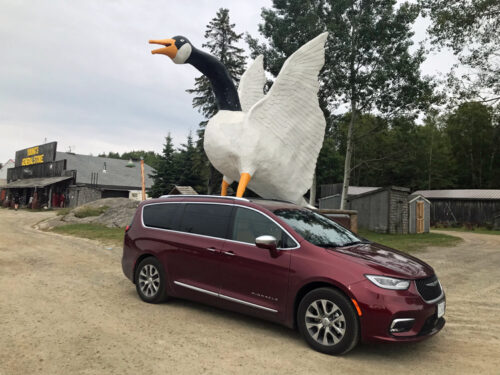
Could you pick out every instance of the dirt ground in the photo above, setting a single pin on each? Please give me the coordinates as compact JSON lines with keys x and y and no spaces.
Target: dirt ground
{"x":66,"y":308}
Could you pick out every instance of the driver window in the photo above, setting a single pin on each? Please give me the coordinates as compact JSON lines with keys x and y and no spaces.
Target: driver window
{"x":249,"y":224}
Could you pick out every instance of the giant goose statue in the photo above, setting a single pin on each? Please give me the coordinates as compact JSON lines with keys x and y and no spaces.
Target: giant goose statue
{"x":269,"y":143}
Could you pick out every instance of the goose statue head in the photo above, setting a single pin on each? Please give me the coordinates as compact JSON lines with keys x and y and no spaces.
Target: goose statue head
{"x":272,"y":139}
{"x":178,"y":48}
{"x":181,"y":51}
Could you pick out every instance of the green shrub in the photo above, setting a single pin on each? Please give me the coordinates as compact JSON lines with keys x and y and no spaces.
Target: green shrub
{"x":90,"y":211}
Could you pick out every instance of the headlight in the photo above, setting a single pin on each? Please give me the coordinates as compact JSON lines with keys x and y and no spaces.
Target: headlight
{"x":388,"y":282}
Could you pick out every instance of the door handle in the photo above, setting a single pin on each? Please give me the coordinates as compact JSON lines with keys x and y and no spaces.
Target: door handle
{"x":212,"y":249}
{"x":229,"y":253}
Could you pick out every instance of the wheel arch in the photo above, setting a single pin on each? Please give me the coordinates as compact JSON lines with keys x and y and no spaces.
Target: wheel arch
{"x":312,"y":285}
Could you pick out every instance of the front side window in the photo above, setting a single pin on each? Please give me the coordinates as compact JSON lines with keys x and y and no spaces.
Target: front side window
{"x":206,"y":219}
{"x":317,"y":229}
{"x":250,"y":224}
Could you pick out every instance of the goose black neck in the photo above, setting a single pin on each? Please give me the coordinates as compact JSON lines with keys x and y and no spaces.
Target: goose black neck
{"x":222,"y":84}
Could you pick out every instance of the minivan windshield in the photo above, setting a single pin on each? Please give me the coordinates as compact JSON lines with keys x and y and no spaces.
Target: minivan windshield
{"x":317,"y":229}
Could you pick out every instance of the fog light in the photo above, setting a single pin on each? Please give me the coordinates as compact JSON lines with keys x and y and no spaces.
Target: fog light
{"x":401,"y":325}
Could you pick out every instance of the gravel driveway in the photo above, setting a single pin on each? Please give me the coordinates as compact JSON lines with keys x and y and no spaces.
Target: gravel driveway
{"x":66,"y":308}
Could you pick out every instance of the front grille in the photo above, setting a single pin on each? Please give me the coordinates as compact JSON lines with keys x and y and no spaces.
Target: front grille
{"x":429,"y":288}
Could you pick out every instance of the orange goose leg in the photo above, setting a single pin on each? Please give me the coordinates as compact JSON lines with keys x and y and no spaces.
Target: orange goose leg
{"x":244,"y":180}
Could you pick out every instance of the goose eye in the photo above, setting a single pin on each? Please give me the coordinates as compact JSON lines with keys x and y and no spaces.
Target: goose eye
{"x":182,"y":40}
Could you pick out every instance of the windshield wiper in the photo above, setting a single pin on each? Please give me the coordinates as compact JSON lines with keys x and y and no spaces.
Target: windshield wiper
{"x":327,"y":244}
{"x":355,"y":242}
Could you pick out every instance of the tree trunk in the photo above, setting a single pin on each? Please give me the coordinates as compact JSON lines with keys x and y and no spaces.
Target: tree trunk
{"x":211,"y":178}
{"x":430,"y":160}
{"x":347,"y":164}
{"x":312,"y":194}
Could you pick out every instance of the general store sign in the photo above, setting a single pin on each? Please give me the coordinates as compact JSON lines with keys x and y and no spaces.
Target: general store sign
{"x":36,"y":155}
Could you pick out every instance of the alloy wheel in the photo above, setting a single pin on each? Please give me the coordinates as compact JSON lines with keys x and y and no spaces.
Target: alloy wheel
{"x":149,"y":280}
{"x":325,"y":322}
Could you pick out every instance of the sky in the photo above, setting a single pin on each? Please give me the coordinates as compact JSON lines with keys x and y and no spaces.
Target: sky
{"x":81,"y":72}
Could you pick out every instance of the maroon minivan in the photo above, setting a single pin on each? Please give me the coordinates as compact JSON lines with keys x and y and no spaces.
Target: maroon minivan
{"x":283,"y":263}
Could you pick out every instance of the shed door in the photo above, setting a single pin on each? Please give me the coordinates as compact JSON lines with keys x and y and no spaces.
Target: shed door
{"x":420,"y":217}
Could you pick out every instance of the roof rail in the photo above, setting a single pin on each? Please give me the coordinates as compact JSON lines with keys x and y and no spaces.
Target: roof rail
{"x":203,"y":196}
{"x":271,"y":199}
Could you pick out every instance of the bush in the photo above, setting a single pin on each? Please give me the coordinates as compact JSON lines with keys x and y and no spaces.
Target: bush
{"x":90,"y":211}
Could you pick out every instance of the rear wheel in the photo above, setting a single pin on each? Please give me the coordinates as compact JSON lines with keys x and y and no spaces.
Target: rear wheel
{"x":328,"y":322}
{"x":150,"y":281}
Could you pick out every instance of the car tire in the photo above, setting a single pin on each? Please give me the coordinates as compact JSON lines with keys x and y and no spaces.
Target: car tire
{"x":327,"y":321}
{"x":150,"y":281}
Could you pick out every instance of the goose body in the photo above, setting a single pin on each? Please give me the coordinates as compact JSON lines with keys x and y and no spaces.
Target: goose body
{"x":269,"y":143}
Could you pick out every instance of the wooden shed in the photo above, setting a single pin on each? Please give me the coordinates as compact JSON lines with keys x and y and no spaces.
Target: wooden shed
{"x":383,"y":209}
{"x":463,"y":206}
{"x":419,"y":214}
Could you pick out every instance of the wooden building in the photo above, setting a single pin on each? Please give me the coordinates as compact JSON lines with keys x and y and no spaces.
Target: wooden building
{"x":419,"y":214}
{"x":383,"y":209}
{"x":43,"y":177}
{"x":462,"y":206}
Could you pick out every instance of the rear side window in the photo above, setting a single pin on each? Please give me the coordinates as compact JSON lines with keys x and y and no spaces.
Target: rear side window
{"x":249,"y":224}
{"x":164,"y":216}
{"x":206,"y":219}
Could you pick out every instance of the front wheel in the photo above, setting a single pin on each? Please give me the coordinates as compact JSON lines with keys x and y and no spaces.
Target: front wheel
{"x":150,"y":281}
{"x":328,"y":322}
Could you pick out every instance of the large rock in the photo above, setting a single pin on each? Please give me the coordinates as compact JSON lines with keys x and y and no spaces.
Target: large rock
{"x":119,"y":213}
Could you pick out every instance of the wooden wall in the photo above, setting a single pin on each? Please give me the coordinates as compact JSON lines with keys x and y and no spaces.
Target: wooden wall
{"x":475,"y":211}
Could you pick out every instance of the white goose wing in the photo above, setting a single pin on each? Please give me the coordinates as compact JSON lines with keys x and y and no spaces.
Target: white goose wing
{"x":290,"y":114}
{"x":251,"y":87}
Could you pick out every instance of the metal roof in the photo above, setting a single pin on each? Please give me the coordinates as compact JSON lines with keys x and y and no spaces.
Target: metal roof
{"x":356,"y":190}
{"x":353,"y":191}
{"x":460,"y":194}
{"x":36,"y":182}
{"x":117,"y":173}
{"x":414,"y":197}
{"x":183,"y":190}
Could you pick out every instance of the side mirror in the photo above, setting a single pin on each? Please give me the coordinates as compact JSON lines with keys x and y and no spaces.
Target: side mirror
{"x":268,"y":242}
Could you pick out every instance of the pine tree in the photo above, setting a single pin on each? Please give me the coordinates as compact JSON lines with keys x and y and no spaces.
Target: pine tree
{"x":166,"y":174}
{"x":189,"y":173}
{"x":221,"y":42}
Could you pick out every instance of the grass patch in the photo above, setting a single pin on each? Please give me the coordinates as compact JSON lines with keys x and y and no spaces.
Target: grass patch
{"x":93,"y":231}
{"x":411,"y":242}
{"x":90,"y":211}
{"x":478,"y":230}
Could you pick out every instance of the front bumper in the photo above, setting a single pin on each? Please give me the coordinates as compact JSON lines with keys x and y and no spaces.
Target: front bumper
{"x":381,"y":306}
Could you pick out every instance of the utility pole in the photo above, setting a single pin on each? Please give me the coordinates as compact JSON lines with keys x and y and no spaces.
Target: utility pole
{"x":142,"y":180}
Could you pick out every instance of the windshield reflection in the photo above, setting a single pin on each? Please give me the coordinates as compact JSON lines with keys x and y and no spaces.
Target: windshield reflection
{"x":317,"y":229}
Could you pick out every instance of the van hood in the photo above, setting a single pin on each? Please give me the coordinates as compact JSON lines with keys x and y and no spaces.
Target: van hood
{"x":386,"y":261}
